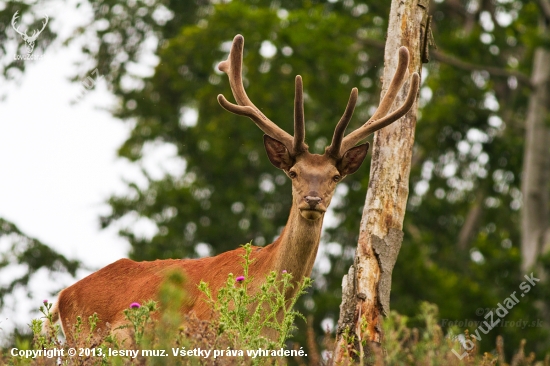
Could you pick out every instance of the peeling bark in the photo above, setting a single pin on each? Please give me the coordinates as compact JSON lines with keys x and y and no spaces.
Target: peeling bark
{"x":386,"y":251}
{"x":347,"y":307}
{"x":380,"y":230}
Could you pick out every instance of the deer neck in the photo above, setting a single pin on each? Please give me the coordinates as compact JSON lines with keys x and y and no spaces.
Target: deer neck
{"x":298,"y":244}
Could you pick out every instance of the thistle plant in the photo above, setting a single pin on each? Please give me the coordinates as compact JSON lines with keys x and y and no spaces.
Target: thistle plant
{"x":139,"y":316}
{"x":246,"y":317}
{"x":42,"y":340}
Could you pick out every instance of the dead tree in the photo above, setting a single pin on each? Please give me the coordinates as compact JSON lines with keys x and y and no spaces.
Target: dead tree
{"x":366,"y":288}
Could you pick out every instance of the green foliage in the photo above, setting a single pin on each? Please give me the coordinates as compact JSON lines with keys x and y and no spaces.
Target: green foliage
{"x":42,"y":340}
{"x":242,"y":324}
{"x":429,"y":346}
{"x":247,"y":318}
{"x":405,"y":345}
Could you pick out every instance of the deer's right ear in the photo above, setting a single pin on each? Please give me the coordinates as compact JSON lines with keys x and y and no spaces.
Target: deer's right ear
{"x":277,"y":153}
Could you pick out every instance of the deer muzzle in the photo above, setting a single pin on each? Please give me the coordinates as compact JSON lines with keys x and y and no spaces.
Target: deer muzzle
{"x":312,"y":201}
{"x":312,"y":207}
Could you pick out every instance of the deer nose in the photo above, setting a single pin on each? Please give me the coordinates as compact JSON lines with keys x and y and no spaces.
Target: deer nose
{"x":312,"y":201}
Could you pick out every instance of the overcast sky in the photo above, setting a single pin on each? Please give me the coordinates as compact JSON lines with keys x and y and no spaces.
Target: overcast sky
{"x":58,"y":164}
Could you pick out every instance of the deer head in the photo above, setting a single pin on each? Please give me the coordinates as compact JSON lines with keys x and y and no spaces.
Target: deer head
{"x":29,"y":40}
{"x":314,"y":177}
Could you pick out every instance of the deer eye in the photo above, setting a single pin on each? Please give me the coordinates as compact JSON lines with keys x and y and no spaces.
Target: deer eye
{"x":292,"y":174}
{"x":336,"y":178}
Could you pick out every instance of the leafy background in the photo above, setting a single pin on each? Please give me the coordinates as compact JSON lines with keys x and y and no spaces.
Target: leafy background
{"x":462,"y":228}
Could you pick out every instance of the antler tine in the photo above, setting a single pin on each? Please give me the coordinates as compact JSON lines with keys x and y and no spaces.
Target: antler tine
{"x":380,"y":118}
{"x":334,"y":148}
{"x":299,"y":124}
{"x":395,"y":85}
{"x":233,"y":68}
{"x":369,"y":128}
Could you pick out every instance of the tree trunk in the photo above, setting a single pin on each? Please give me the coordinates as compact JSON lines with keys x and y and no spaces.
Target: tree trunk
{"x":471,"y":223}
{"x":366,"y":288}
{"x":536,"y":164}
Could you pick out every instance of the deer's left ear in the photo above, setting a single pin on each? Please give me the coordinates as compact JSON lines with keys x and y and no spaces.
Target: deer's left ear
{"x":352,"y":159}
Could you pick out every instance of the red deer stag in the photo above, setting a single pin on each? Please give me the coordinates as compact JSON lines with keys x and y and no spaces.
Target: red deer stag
{"x":110,"y":290}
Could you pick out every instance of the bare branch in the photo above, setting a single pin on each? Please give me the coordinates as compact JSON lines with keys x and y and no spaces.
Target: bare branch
{"x":493,"y":71}
{"x":453,"y":61}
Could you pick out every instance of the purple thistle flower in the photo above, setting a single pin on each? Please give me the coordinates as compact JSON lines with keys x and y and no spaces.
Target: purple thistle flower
{"x":284,"y":271}
{"x":45,"y":301}
{"x":240,"y":279}
{"x":135,"y":305}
